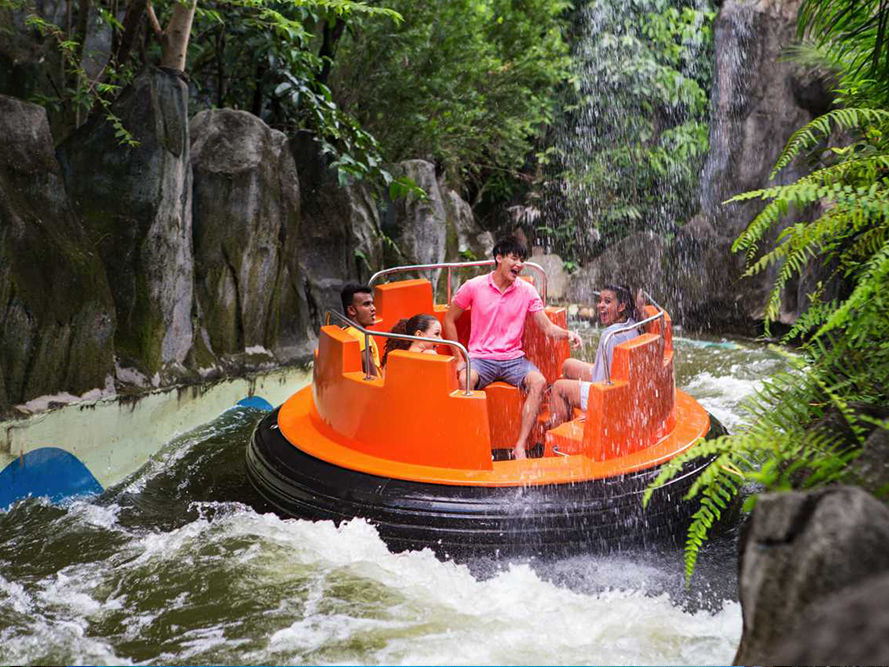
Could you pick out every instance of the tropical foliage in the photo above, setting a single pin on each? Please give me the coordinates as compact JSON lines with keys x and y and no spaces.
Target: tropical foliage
{"x":636,"y":122}
{"x":468,"y":84}
{"x":266,"y":56}
{"x":805,"y":426}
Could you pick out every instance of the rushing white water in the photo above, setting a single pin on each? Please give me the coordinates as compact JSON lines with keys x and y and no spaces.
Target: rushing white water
{"x":251,"y":588}
{"x":177,"y":565}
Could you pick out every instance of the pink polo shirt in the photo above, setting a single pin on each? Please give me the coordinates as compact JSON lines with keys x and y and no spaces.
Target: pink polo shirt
{"x":498,"y":318}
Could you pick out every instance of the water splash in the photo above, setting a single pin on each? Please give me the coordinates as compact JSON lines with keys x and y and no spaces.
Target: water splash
{"x":178,"y":565}
{"x":631,"y":148}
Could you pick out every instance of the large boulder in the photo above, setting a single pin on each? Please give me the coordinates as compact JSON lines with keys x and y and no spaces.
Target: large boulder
{"x":638,"y":261}
{"x":799,"y":550}
{"x":557,"y":278}
{"x":56,"y":312}
{"x":135,"y":203}
{"x":339,"y":232}
{"x":420,"y":225}
{"x":248,"y":281}
{"x":465,"y":239}
{"x":849,"y":628}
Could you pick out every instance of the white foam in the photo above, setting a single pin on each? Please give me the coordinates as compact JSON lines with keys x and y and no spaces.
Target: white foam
{"x":722,"y":395}
{"x":442,"y":614}
{"x":15,"y":596}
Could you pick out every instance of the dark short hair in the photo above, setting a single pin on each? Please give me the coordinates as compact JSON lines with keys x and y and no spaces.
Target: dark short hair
{"x":347,"y":294}
{"x":509,"y":245}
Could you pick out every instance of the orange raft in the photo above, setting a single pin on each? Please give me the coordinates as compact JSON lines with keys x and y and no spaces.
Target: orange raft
{"x":419,"y":456}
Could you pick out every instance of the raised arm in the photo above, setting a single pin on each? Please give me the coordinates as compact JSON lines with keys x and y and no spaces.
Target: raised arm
{"x":552,"y":330}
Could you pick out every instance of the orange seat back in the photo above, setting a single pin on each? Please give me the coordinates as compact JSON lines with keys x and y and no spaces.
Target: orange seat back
{"x":636,"y":409}
{"x":415,"y":414}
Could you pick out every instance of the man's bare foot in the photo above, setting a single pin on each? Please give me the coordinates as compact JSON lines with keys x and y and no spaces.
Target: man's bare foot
{"x":519,"y":453}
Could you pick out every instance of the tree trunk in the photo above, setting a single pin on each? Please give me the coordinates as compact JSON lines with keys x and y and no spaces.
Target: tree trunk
{"x":332,"y":35}
{"x":124,"y":40}
{"x":174,"y":46}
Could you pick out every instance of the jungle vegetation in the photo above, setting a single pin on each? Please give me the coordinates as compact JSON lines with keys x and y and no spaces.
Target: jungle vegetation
{"x":634,"y":125}
{"x":469,"y":84}
{"x":806,"y":427}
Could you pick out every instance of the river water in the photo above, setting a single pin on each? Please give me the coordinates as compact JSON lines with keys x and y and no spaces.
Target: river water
{"x":182,"y":564}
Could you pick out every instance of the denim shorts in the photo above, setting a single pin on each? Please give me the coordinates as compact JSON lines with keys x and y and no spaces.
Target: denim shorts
{"x":511,"y":371}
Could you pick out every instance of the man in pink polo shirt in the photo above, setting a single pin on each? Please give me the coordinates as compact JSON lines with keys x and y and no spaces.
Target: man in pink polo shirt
{"x":500,"y":304}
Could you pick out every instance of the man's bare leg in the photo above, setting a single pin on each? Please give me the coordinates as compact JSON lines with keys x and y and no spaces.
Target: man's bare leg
{"x":535,"y":384}
{"x":473,"y":380}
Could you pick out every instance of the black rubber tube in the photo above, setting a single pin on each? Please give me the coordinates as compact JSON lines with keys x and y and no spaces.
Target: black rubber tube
{"x":596,"y":515}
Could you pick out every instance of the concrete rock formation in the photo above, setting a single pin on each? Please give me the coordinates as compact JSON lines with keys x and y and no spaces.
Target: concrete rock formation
{"x":135,"y":204}
{"x":757,"y":101}
{"x":800,"y":551}
{"x":248,"y":280}
{"x":56,"y":312}
{"x":339,"y":224}
{"x":419,"y":226}
{"x":851,"y":628}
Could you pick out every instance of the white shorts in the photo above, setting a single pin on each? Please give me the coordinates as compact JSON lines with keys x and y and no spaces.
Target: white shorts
{"x":584,"y":394}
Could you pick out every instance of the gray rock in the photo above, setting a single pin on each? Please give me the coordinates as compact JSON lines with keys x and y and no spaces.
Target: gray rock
{"x":338,"y":234}
{"x":556,"y":276}
{"x":421,"y":223}
{"x":849,"y":628}
{"x":248,"y":281}
{"x":638,"y":261}
{"x":135,"y":203}
{"x":758,"y":100}
{"x":871,"y":468}
{"x":466,"y":240}
{"x":799,"y":549}
{"x":56,"y":313}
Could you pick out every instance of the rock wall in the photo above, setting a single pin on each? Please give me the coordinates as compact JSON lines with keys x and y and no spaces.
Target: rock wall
{"x":211,"y":247}
{"x":814,"y":570}
{"x":248,"y":280}
{"x":56,"y":313}
{"x":757,"y":102}
{"x":135,"y":204}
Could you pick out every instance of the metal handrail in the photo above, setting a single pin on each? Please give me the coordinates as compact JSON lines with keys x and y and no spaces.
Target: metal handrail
{"x":450,"y":266}
{"x":368,"y":357}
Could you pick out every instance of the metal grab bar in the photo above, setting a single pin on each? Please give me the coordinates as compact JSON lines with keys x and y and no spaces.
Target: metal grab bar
{"x":450,"y":266}
{"x":368,"y":357}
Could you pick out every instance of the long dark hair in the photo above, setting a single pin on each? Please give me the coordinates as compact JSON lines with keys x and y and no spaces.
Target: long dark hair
{"x":625,"y":296}
{"x":419,"y":322}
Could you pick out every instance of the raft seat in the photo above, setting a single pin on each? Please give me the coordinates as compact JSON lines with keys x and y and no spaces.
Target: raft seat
{"x":505,"y":416}
{"x":632,"y":413}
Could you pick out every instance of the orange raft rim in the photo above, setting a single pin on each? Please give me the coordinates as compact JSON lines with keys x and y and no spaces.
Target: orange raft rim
{"x":302,"y":426}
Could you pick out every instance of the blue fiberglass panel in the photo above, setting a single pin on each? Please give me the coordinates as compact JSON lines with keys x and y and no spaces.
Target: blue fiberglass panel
{"x":256,"y":402}
{"x":48,"y":471}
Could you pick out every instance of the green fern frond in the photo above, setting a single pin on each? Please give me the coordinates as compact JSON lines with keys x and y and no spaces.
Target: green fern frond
{"x":820,"y":128}
{"x":871,"y":286}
